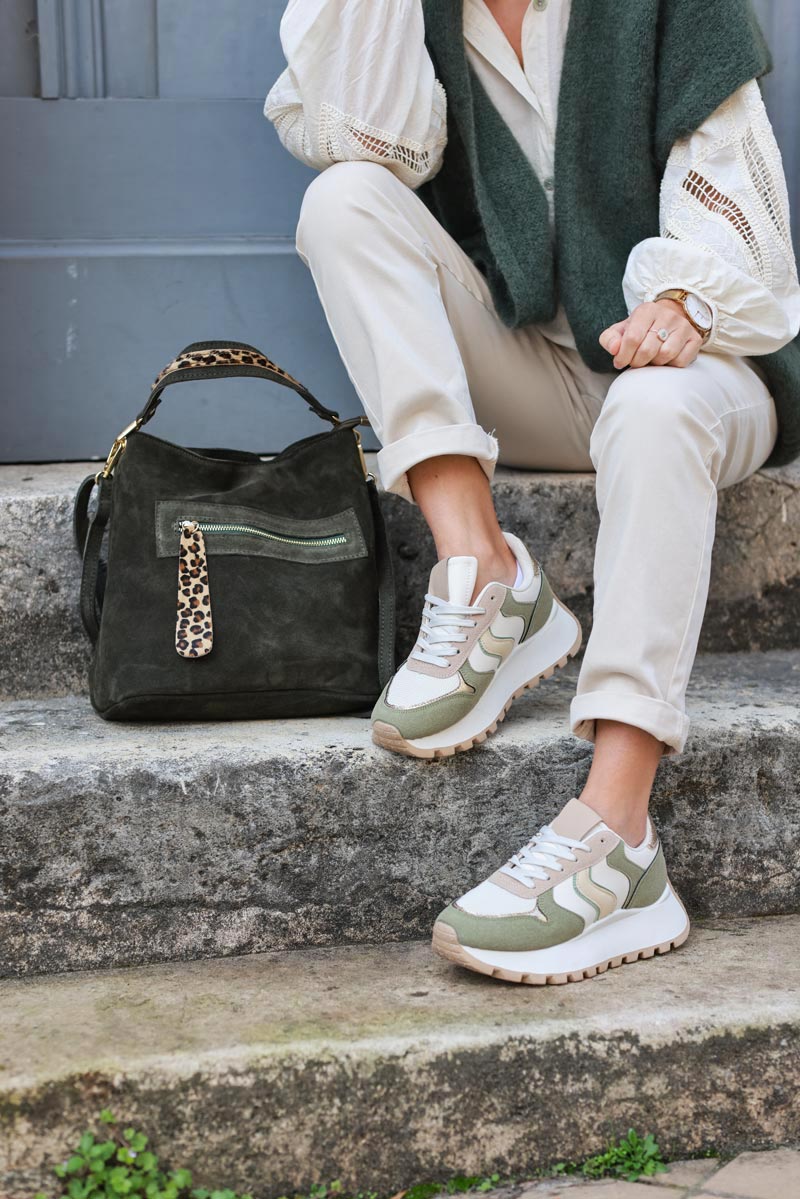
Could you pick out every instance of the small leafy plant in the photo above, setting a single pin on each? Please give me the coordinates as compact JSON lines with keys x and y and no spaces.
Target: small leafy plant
{"x":321,"y":1190}
{"x":630,"y":1158}
{"x":118,"y":1163}
{"x":456,"y":1186}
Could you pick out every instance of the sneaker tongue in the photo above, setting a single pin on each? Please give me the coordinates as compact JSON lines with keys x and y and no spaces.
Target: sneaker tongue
{"x":453,"y":579}
{"x":575,"y":820}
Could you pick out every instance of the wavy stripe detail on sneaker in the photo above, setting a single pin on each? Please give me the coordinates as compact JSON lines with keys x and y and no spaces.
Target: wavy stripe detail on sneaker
{"x":508,"y":626}
{"x":619,"y":860}
{"x":604,"y":900}
{"x":581,"y":891}
{"x":611,"y":880}
{"x":567,"y":896}
{"x":481,"y":661}
{"x":498,"y":647}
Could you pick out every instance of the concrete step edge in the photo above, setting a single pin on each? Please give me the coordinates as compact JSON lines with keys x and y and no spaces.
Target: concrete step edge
{"x":272,"y":1072}
{"x":129,"y":843}
{"x":754,"y":601}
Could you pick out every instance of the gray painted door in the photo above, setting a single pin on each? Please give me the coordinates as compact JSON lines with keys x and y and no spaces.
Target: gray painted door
{"x":149,"y":204}
{"x":146,"y":203}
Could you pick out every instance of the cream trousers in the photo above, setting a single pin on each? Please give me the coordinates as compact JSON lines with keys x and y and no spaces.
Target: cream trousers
{"x":438,"y":373}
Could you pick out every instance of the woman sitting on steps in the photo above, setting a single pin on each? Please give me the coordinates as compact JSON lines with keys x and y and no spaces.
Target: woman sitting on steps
{"x":554,"y":235}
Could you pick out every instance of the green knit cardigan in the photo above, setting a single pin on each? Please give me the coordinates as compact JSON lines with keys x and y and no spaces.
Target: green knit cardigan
{"x":637,"y":75}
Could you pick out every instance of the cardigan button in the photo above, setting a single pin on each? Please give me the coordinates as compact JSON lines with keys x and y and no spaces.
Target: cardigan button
{"x":540,"y":5}
{"x":549,"y":183}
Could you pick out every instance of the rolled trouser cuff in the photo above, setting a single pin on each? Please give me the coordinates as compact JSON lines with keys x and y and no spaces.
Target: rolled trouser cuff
{"x":661,"y":720}
{"x":396,"y":459}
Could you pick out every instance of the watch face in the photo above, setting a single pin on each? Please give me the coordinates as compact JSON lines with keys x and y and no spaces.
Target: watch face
{"x":699,"y":311}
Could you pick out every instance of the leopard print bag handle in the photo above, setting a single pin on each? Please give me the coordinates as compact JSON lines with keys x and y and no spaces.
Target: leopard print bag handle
{"x":224,"y":360}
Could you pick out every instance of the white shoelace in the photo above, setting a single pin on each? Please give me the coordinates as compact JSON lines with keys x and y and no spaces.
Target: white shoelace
{"x":439,"y":634}
{"x":544,"y":853}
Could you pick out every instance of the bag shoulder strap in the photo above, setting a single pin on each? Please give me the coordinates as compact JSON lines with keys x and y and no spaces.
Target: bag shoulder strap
{"x":225,"y":360}
{"x":386,"y":597}
{"x":88,"y":532}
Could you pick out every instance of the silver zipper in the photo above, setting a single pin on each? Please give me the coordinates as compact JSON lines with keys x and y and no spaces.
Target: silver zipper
{"x":252,"y":531}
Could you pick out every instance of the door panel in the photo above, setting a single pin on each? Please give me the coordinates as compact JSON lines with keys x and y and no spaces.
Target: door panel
{"x":19,"y":66}
{"x":97,"y":329}
{"x":150,"y":205}
{"x":120,"y":169}
{"x":203,"y":52}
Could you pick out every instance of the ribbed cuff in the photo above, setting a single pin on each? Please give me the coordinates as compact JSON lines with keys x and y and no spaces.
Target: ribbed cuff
{"x":661,"y":720}
{"x":396,"y":459}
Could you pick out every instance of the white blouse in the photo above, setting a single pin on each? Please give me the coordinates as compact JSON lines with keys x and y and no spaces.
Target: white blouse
{"x":360,"y":84}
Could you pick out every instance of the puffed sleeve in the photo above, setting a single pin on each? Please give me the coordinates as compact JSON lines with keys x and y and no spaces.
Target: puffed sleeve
{"x":359,"y":85}
{"x":724,"y":231}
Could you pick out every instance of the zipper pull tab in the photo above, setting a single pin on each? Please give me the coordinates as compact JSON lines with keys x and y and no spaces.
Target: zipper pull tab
{"x":194,"y":634}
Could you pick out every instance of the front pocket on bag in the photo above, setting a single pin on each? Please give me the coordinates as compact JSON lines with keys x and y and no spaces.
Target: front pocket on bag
{"x":235,"y":529}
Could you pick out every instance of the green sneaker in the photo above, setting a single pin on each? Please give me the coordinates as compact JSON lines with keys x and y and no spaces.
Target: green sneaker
{"x":573,"y":902}
{"x":472,"y":659}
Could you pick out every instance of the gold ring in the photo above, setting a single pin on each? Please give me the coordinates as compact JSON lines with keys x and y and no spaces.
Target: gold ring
{"x":662,"y":334}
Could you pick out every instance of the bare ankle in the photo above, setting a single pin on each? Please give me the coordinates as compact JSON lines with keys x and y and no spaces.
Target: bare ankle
{"x":627,"y":817}
{"x":497,"y":569}
{"x":455,"y":498}
{"x":621,"y":778}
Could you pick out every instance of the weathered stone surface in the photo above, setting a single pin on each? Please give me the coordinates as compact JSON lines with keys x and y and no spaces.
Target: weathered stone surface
{"x":755,"y":589}
{"x":123,"y":844}
{"x":382,"y":1066}
{"x":612,"y":1189}
{"x":757,"y":1176}
{"x":688,"y":1174}
{"x":754,"y":598}
{"x":44,"y":648}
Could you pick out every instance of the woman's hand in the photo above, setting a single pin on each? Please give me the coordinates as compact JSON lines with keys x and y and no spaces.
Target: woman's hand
{"x":635,"y":341}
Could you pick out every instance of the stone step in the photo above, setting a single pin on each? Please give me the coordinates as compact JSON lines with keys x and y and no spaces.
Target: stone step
{"x":127,"y":844}
{"x":754,"y":601}
{"x":383,"y":1066}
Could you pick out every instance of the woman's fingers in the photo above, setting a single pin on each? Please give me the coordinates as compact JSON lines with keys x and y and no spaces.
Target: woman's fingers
{"x":688,"y":351}
{"x":635,"y":342}
{"x":611,"y":337}
{"x":653,"y":351}
{"x":638,"y":324}
{"x":679,"y":338}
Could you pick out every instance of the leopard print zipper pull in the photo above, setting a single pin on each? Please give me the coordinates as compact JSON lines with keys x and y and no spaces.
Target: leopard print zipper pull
{"x":194,"y":633}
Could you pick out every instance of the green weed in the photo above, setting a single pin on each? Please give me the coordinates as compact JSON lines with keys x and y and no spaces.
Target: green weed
{"x":630,"y":1158}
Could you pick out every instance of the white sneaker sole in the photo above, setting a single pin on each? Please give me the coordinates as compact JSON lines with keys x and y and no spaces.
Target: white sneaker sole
{"x":538,"y":658}
{"x":624,"y":936}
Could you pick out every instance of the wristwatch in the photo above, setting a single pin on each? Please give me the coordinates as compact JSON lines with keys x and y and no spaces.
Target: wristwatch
{"x":697,"y":311}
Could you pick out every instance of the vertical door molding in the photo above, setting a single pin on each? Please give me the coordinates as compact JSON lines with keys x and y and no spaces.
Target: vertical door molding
{"x":51,"y":54}
{"x":72,"y":48}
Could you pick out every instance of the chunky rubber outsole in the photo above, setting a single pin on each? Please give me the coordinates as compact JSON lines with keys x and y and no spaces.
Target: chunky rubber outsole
{"x":671,"y":919}
{"x":473,"y":729}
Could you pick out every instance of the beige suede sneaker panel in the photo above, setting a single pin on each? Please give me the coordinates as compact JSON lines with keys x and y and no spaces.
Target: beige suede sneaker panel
{"x":576,"y":819}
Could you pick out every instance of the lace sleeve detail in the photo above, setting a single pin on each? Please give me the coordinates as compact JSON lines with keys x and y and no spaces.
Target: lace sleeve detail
{"x":359,"y":85}
{"x":724,"y":190}
{"x":724,"y":231}
{"x":343,"y":137}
